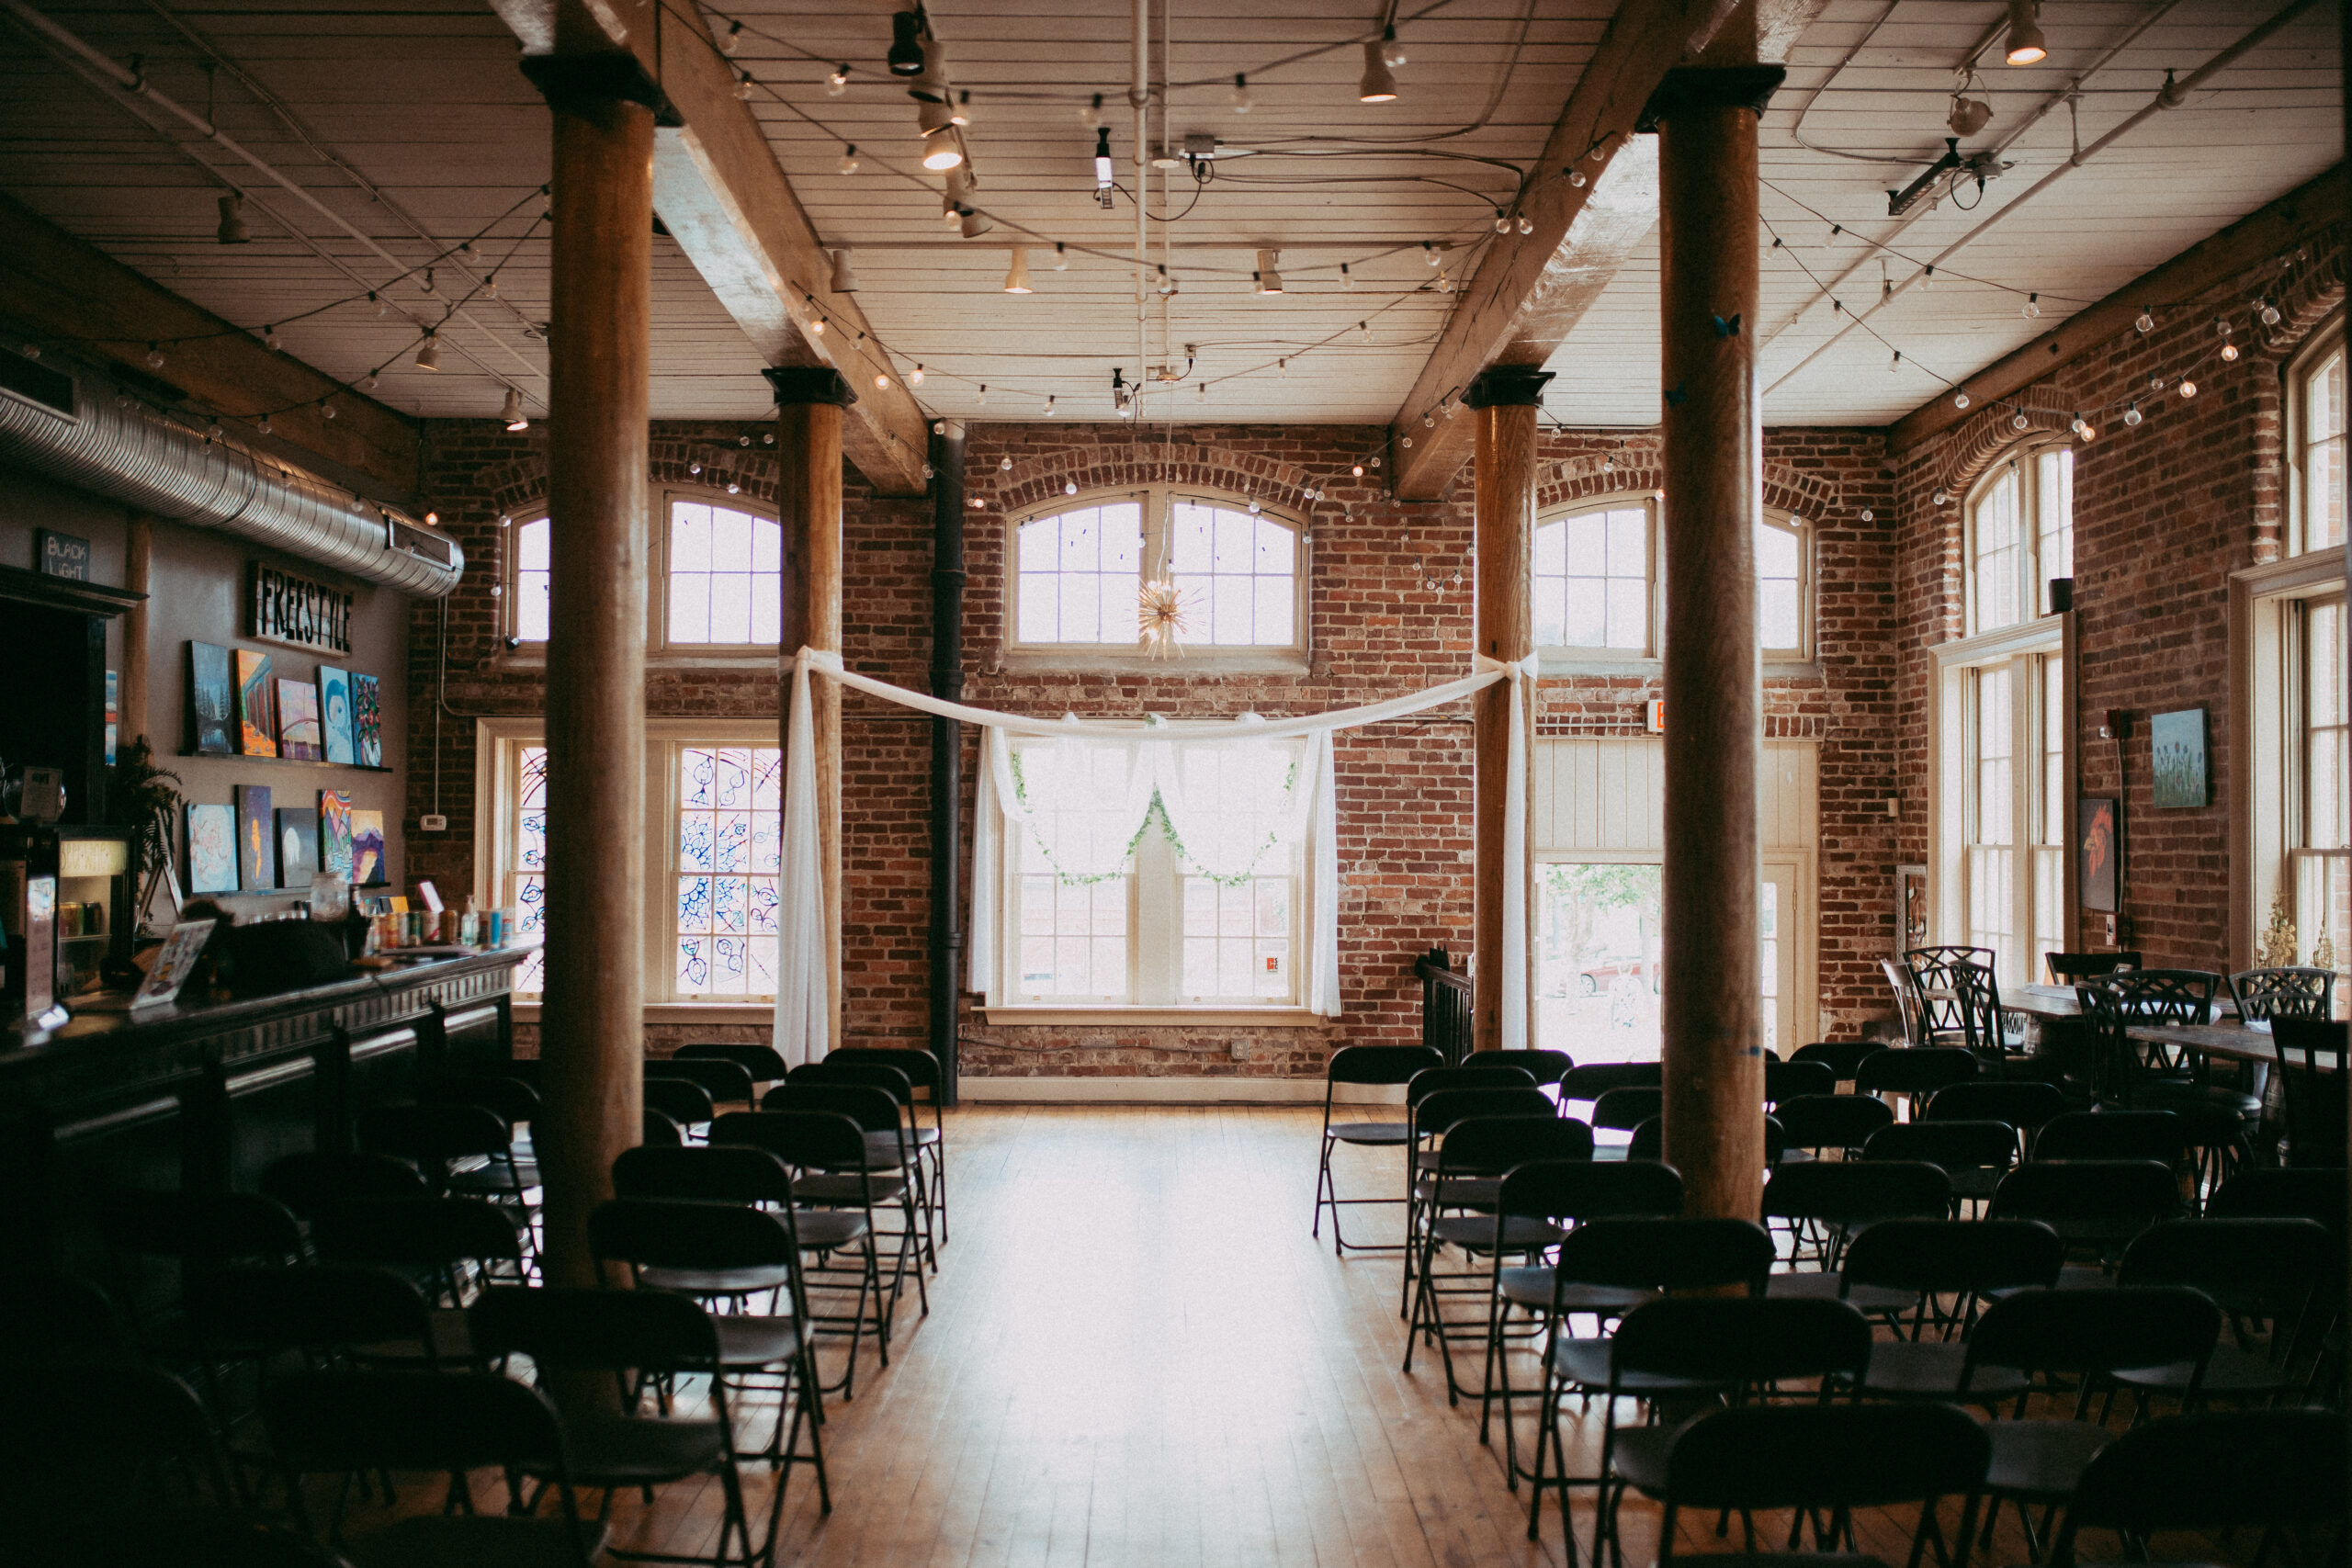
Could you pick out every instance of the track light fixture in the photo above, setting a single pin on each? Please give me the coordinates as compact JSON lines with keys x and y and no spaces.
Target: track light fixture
{"x":1378,"y":86}
{"x":1268,"y":280}
{"x":845,"y":275}
{"x":1016,"y":276}
{"x":511,"y":415}
{"x":2026,"y":45}
{"x":1105,"y":173}
{"x":232,"y":231}
{"x":975,"y":223}
{"x":906,"y":44}
{"x":428,"y":355}
{"x":930,"y":84}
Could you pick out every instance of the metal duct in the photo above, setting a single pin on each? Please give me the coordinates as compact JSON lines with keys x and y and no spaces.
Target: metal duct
{"x":58,"y":424}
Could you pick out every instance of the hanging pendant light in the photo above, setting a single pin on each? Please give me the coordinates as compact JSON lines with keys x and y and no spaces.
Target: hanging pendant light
{"x":1379,"y":84}
{"x":233,"y":229}
{"x":2026,"y":45}
{"x":512,"y":415}
{"x":845,"y":275}
{"x":1016,"y":276}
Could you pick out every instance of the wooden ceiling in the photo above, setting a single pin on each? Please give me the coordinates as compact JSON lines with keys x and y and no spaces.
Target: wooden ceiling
{"x":421,"y":103}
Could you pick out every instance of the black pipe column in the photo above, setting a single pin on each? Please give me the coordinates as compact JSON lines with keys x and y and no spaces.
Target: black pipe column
{"x":946,"y":743}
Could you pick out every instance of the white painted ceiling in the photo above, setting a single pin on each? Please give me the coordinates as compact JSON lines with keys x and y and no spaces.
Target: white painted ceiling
{"x":423,"y":101}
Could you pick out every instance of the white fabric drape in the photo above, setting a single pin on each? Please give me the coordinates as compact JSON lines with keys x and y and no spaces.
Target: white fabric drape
{"x":1233,"y":790}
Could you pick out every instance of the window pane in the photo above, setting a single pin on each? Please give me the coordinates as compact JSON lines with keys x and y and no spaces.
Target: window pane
{"x":1237,"y":573}
{"x":2322,"y":457}
{"x":1995,"y":566}
{"x":526,"y":891}
{"x":726,"y":583}
{"x":1236,"y":946}
{"x":1079,"y":573}
{"x":1592,"y":582}
{"x":1597,"y":948}
{"x":531,"y":562}
{"x":2054,"y":520}
{"x":729,"y":831}
{"x":2325,"y":733}
{"x":1991,"y":858}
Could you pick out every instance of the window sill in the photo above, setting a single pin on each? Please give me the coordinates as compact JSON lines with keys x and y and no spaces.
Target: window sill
{"x":1550,"y":663}
{"x":532,"y":657}
{"x":679,"y":1012}
{"x":1201,"y":1017}
{"x":1116,"y":661}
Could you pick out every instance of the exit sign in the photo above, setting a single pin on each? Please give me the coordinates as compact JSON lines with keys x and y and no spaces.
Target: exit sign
{"x":1653,"y":715}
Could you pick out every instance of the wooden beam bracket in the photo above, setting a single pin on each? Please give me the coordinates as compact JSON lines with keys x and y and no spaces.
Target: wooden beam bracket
{"x":1508,"y":386}
{"x":1711,"y":86}
{"x":797,"y":384}
{"x":577,"y":83}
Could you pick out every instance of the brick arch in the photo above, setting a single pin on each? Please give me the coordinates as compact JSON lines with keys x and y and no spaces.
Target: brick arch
{"x":522,"y":485}
{"x":1037,"y":481}
{"x":1583,"y":478}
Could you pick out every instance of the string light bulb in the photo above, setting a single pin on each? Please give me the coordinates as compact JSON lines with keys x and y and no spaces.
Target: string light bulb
{"x":2145,"y":321}
{"x":1502,"y":221}
{"x":1282,"y":368}
{"x":695,"y":467}
{"x":1061,"y":258}
{"x":1526,"y":224}
{"x":1577,"y":180}
{"x":368,"y":382}
{"x":154,"y":357}
{"x":984,"y":401}
{"x":2020,"y":422}
{"x":2090,"y":433}
{"x":1378,"y":86}
{"x":2026,"y":46}
{"x":1428,"y":252}
{"x":1943,"y":498}
{"x":2230,"y":353}
{"x":1091,"y":116}
{"x":2187,"y":388}
{"x":1050,"y":411}
{"x":914,"y":377}
{"x":2031,"y":308}
{"x":743,"y":85}
{"x":1960,"y":399}
{"x":511,"y":415}
{"x":265,"y":427}
{"x":1240,"y":93}
{"x":326,"y":408}
{"x":733,"y":39}
{"x":2075,"y":425}
{"x":881,"y":380}
{"x":2267,"y":312}
{"x":837,"y":81}
{"x":1391,"y":51}
{"x":1347,"y":278}
{"x":1004,"y":464}
{"x":848,"y":165}
{"x":816,"y":326}
{"x":1016,"y":276}
{"x":269,"y":338}
{"x":2132,"y":414}
{"x":1069,"y":487}
{"x":1359,"y":470}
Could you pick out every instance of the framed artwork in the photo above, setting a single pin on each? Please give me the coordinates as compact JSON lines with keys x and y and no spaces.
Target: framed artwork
{"x":256,"y":706}
{"x":2094,"y":851}
{"x":334,"y":833}
{"x":2176,"y":750}
{"x":211,"y":701}
{"x":298,"y":847}
{"x":334,"y":714}
{"x":367,"y":849}
{"x":256,"y":840}
{"x":1910,"y":908}
{"x":366,"y":722}
{"x":297,"y":722}
{"x":211,"y":848}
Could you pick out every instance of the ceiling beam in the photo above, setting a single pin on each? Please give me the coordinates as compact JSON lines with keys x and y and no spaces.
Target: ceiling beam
{"x":1530,"y":291}
{"x":56,"y":287}
{"x":725,"y":200}
{"x":2233,"y":253}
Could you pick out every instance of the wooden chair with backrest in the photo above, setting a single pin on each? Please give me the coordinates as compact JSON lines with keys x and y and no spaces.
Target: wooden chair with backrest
{"x":2284,"y":993}
{"x":1907,"y":1005}
{"x":1371,"y":1066}
{"x":2066,"y":968}
{"x":1936,"y":993}
{"x":2221,"y":1120}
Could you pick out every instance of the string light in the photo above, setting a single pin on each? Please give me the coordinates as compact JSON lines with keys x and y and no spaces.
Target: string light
{"x":1960,"y":399}
{"x":2020,"y":422}
{"x":1347,"y":278}
{"x":2145,"y":321}
{"x":1051,"y":410}
{"x":1069,"y":487}
{"x":1576,"y":179}
{"x":269,"y":338}
{"x":1526,"y":224}
{"x":326,"y":408}
{"x":1365,"y":328}
{"x":1502,"y":221}
{"x":914,"y":377}
{"x":2132,"y":414}
{"x":265,"y":427}
{"x":1005,"y":464}
{"x":837,"y":82}
{"x":881,"y":381}
{"x":154,"y":357}
{"x":2267,"y":311}
{"x":2187,"y":388}
{"x":848,"y":165}
{"x":2031,"y":308}
{"x":1061,"y":258}
{"x":1241,"y":94}
{"x":1091,"y":116}
{"x":743,"y":85}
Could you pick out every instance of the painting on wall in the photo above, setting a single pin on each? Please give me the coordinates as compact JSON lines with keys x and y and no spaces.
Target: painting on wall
{"x":256,"y":840}
{"x":1910,"y":907}
{"x":256,"y":706}
{"x":297,"y":722}
{"x":2095,"y":849}
{"x":211,"y":848}
{"x":212,"y":699}
{"x":298,"y":847}
{"x":334,"y":714}
{"x":2176,"y":750}
{"x":366,"y":722}
{"x":367,"y":849}
{"x":335,"y":832}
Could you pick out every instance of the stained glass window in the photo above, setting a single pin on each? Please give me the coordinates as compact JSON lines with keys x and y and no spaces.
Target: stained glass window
{"x":526,"y":892}
{"x":729,"y":850}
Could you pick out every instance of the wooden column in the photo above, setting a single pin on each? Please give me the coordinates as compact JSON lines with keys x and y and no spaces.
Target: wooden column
{"x":130,"y":699}
{"x":809,"y":502}
{"x":591,"y":1036}
{"x":1711,"y":1008}
{"x":1507,"y":399}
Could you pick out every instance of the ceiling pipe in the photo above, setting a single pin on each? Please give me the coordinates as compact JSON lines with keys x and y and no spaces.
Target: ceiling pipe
{"x":1139,"y":99}
{"x":2172,"y":95}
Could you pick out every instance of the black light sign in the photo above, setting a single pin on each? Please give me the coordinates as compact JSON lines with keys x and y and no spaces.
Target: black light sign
{"x":292,"y":609}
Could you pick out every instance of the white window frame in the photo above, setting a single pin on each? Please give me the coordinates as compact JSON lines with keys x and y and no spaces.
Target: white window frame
{"x":1952,"y":758}
{"x":2266,"y":602}
{"x":2032,"y":584}
{"x":496,"y":744}
{"x":1556,"y":659}
{"x":2329,"y":339}
{"x":1156,"y":503}
{"x":510,"y":578}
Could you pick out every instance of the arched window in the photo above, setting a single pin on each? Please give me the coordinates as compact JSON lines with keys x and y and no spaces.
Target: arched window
{"x":721,"y":584}
{"x":527,"y":595}
{"x":2020,"y":534}
{"x":1080,"y":567}
{"x":1599,"y":578}
{"x":2315,"y":443}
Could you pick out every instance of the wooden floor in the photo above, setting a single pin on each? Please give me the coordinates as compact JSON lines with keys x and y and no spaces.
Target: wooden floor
{"x":1137,"y":1356}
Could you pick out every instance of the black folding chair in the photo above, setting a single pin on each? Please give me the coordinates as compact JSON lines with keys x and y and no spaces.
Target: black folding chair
{"x":1368,"y":1066}
{"x":1787,"y":1080}
{"x":684,"y":1102}
{"x":924,"y":1072}
{"x":2293,"y":1193}
{"x":2098,"y":1205}
{"x":726,"y":1082}
{"x":2159,"y":1135}
{"x":1915,"y":1072}
{"x":310,"y":1182}
{"x":1586,"y":1083}
{"x":1648,"y":1141}
{"x":903,"y":1142}
{"x":457,"y":1246}
{"x":445,"y":1424}
{"x":1823,"y":1462}
{"x":1816,"y":1125}
{"x":2269,"y":1471}
{"x":1841,"y":1056}
{"x":2274,"y":1270}
{"x":1965,"y":1260}
{"x":766,"y":1063}
{"x":1623,"y":1110}
{"x":638,"y":1338}
{"x":1546,"y":1066}
{"x":1974,"y":1154}
{"x":2024,"y":1105}
{"x":52,"y":1319}
{"x":80,"y":1443}
{"x":890,"y":1173}
{"x":1432,"y":1114}
{"x":1820,"y":1202}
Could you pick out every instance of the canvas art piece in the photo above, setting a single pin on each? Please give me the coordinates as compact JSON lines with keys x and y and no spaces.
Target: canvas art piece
{"x":334,"y":714}
{"x":256,"y":706}
{"x":366,"y":722}
{"x":335,"y":832}
{"x":212,"y":700}
{"x":256,"y":840}
{"x":297,"y":722}
{"x":2176,"y":748}
{"x":2095,"y":849}
{"x":211,"y":848}
{"x":367,"y":867}
{"x":298,"y":847}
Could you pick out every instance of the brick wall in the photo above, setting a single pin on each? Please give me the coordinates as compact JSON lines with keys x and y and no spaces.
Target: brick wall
{"x":2163,"y":513}
{"x":1378,"y":630}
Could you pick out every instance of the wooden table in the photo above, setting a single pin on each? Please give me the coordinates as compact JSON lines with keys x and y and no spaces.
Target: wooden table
{"x":2048,"y":1002}
{"x":2229,"y":1039}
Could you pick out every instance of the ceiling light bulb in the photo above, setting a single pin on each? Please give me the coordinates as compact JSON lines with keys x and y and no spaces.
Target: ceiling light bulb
{"x":265,"y":426}
{"x":1359,"y":470}
{"x":428,"y":355}
{"x":1050,"y":411}
{"x":1960,"y":399}
{"x":881,"y":381}
{"x":2026,"y":45}
{"x":694,"y":467}
{"x":1943,"y":498}
{"x":848,"y":165}
{"x":2031,"y":308}
{"x":1576,"y":179}
{"x":2020,"y":422}
{"x":383,"y":306}
{"x":837,"y":81}
{"x":817,"y":326}
{"x":326,"y":409}
{"x":2089,"y":431}
{"x":1378,"y":86}
{"x":1526,"y":224}
{"x":1502,"y":221}
{"x":1428,"y":252}
{"x":154,"y":357}
{"x":2230,"y":353}
{"x":743,"y":87}
{"x":2187,"y":388}
{"x":1061,"y":258}
{"x":511,"y":415}
{"x":1004,"y":464}
{"x":233,"y":229}
{"x":734,"y":488}
{"x":2269,"y":313}
{"x":1444,"y":282}
{"x":2145,"y":322}
{"x":2155,"y":383}
{"x":906,"y":44}
{"x":1016,"y":276}
{"x":914,"y":377}
{"x":845,"y":275}
{"x":1390,"y":49}
{"x":1270,"y":281}
{"x":984,"y":394}
{"x":1091,"y":116}
{"x":1240,"y":93}
{"x":1365,"y":328}
{"x":269,"y":337}
{"x":2075,"y":425}
{"x":368,"y":382}
{"x":2132,"y":414}
{"x":1347,"y":278}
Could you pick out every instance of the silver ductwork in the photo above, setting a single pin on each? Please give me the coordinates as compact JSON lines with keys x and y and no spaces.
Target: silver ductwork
{"x":61,"y":423}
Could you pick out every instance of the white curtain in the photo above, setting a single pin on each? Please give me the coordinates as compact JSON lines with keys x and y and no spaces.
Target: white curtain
{"x":1235,"y":792}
